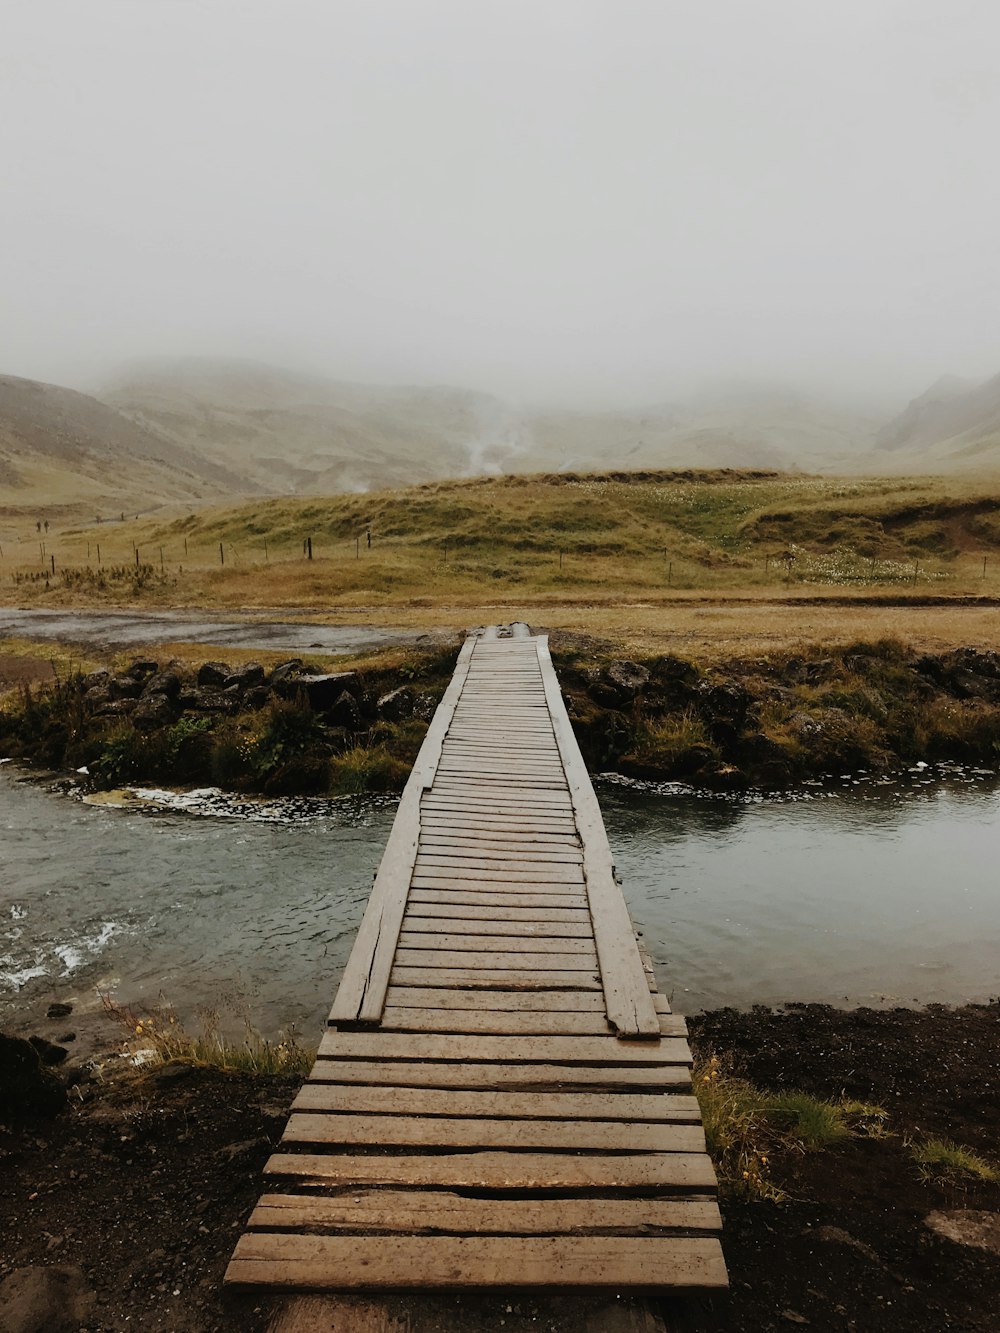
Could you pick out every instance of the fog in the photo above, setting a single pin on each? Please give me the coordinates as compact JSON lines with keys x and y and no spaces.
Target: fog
{"x":567,"y":201}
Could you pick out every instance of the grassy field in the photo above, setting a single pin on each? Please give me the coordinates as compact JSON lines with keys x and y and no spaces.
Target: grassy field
{"x":645,"y":557}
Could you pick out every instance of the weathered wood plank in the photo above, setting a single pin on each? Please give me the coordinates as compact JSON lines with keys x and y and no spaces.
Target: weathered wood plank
{"x":503,"y":977}
{"x":420,"y":1019}
{"x":399,"y":1131}
{"x":362,"y":988}
{"x":489,"y":1077}
{"x":437,"y":1210}
{"x":519,"y":930}
{"x":503,"y":1170}
{"x":494,"y":958}
{"x":487,"y":869}
{"x":523,"y":943}
{"x":500,"y":889}
{"x":550,"y":1050}
{"x":495,"y":896}
{"x":429,"y":904}
{"x":494,"y":1001}
{"x":516,"y":1105}
{"x":626,"y":986}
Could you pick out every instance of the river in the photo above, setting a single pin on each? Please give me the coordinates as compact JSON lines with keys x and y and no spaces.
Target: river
{"x":873,"y":893}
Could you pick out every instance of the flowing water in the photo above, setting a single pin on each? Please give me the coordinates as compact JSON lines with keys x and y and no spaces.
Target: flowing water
{"x":876,"y":893}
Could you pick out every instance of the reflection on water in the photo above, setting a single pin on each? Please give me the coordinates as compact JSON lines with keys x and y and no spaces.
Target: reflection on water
{"x":874,"y":894}
{"x":877,"y":894}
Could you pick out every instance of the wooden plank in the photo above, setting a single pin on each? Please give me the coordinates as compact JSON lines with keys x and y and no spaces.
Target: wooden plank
{"x":400,"y":1131}
{"x":437,"y":1210}
{"x":626,"y":987}
{"x":361,"y":993}
{"x":550,"y":1050}
{"x":494,"y":958}
{"x":454,"y":846}
{"x":565,"y":894}
{"x":583,"y":1001}
{"x":503,"y":977}
{"x":474,"y":910}
{"x":339,"y":1263}
{"x":421,"y":1019}
{"x":502,"y":1170}
{"x":520,"y":930}
{"x":653,"y":1107}
{"x":493,"y":1001}
{"x":477,"y":897}
{"x":490,"y":1077}
{"x":487,"y":870}
{"x":540,"y":944}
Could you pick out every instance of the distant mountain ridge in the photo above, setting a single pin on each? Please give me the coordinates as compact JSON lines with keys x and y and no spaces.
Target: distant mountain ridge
{"x":193,"y":431}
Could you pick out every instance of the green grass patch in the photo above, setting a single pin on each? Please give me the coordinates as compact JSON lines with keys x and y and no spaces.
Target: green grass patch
{"x":938,"y":1159}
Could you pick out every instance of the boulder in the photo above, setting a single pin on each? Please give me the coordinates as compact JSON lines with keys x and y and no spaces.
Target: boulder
{"x":48,"y":1052}
{"x":396,"y":704}
{"x":98,"y":696}
{"x":324,"y":691}
{"x":54,"y":1299}
{"x":257,"y":698}
{"x":285,"y":671}
{"x":972,"y":1227}
{"x":125,"y":687}
{"x":166,"y":682}
{"x":726,"y":701}
{"x":345,"y":712}
{"x":619,"y":683}
{"x":96,"y":680}
{"x":27,"y":1089}
{"x":117,"y":708}
{"x":152,"y":712}
{"x":142,"y":667}
{"x":58,"y":1009}
{"x":425,"y":705}
{"x":208,"y":700}
{"x":214,"y":673}
{"x":245,"y":677}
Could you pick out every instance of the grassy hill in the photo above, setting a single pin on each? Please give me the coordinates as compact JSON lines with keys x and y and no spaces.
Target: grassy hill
{"x":62,"y":452}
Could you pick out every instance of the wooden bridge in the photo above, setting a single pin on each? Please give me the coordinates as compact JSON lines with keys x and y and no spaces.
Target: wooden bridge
{"x":503,"y":1098}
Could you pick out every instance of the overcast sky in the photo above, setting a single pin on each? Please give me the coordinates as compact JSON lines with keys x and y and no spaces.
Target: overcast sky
{"x":552,"y":199}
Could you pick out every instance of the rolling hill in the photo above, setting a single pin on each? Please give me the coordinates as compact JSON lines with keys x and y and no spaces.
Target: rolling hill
{"x":954,"y":425}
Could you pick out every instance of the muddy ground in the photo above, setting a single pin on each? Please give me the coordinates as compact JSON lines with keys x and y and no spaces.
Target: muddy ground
{"x":145,"y":1180}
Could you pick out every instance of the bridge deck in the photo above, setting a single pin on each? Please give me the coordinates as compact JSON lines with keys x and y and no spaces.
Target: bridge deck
{"x":502,"y":1096}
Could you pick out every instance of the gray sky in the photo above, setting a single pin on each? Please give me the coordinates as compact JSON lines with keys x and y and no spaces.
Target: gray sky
{"x":552,"y":199}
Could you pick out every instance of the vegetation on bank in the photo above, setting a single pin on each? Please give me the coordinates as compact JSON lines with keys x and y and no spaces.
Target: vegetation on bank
{"x":290,"y":730}
{"x":529,"y":539}
{"x":763,"y":722}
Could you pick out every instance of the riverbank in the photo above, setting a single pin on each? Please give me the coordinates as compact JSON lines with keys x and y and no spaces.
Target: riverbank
{"x":299,"y":727}
{"x":144,"y":1180}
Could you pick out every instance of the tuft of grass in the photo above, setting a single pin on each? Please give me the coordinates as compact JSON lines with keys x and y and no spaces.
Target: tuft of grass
{"x":938,"y":1159}
{"x":160,"y":1037}
{"x":746,"y":1127}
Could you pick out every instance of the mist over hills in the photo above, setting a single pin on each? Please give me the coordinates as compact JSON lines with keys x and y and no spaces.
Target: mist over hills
{"x":198,"y":430}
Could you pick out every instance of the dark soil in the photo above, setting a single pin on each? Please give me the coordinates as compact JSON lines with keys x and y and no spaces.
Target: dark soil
{"x":146,"y":1180}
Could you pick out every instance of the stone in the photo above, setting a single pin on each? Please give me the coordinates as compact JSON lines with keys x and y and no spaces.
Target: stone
{"x":322,"y":691}
{"x":396,"y":704}
{"x":285,"y":671}
{"x":152,"y":712}
{"x":142,"y":667}
{"x":838,"y":1236}
{"x":345,"y":712}
{"x":425,"y":705}
{"x":48,"y":1052}
{"x":54,"y":1299}
{"x":166,"y":682}
{"x":727,"y":701}
{"x":207,"y":700}
{"x":125,"y":687}
{"x":245,"y":1151}
{"x":619,"y":683}
{"x":117,"y":708}
{"x":27,"y":1089}
{"x":59,"y":1009}
{"x":174,"y":1071}
{"x":975,"y":1228}
{"x":98,"y":696}
{"x":257,"y":698}
{"x":214,"y":673}
{"x":245,"y":677}
{"x":96,"y":680}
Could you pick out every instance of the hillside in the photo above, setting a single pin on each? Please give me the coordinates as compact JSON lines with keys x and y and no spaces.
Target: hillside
{"x":63,"y":451}
{"x":293,"y":434}
{"x":955,"y":424}
{"x":305,"y":435}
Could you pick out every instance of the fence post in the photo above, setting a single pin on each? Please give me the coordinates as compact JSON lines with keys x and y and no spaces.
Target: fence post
{"x":137,"y":557}
{"x":222,"y":554}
